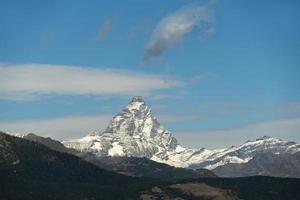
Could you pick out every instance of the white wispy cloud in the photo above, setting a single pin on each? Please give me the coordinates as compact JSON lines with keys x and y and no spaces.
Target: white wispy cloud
{"x":173,"y":27}
{"x":32,"y":81}
{"x":179,"y":118}
{"x":69,"y":127}
{"x":287,"y":129}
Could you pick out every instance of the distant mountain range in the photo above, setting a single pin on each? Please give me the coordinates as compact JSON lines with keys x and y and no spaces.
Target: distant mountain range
{"x":31,"y":170}
{"x":137,"y":158}
{"x":131,"y":166}
{"x":135,"y":132}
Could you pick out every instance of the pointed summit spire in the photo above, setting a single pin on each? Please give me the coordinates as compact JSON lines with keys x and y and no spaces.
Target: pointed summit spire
{"x":138,"y":99}
{"x":137,"y":103}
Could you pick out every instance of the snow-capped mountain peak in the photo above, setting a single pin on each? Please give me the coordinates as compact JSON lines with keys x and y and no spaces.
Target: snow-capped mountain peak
{"x":132,"y":132}
{"x":137,"y":99}
{"x":137,"y":104}
{"x":135,"y":131}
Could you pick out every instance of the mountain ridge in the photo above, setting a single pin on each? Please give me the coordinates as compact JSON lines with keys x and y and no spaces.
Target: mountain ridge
{"x":30,"y":170}
{"x":130,"y":166}
{"x":135,"y":132}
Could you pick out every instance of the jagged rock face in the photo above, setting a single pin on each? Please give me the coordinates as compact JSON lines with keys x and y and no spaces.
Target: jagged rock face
{"x":132,"y":132}
{"x":136,"y":132}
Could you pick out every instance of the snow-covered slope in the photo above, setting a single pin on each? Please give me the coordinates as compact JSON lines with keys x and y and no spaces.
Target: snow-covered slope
{"x":132,"y":132}
{"x":246,"y":151}
{"x":136,"y":132}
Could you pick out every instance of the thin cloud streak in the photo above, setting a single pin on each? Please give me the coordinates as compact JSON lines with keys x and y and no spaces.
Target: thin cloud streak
{"x":34,"y":81}
{"x":58,"y":128}
{"x":70,"y":127}
{"x":104,"y":30}
{"x":171,"y":29}
{"x":286,"y":129}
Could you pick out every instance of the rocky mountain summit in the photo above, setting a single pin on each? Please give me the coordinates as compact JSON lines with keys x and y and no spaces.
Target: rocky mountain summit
{"x":132,"y":132}
{"x":135,"y":132}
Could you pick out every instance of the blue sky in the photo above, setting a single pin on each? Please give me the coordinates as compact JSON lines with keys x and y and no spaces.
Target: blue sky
{"x":215,"y":72}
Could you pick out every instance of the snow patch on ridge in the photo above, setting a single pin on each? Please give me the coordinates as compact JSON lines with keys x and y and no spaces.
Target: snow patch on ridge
{"x":226,"y":160}
{"x":116,"y":150}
